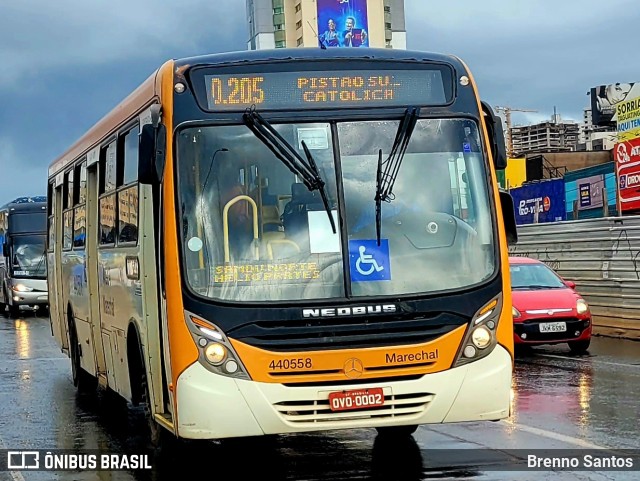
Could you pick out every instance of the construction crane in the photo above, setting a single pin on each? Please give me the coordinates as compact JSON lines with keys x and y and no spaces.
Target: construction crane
{"x":507,"y":116}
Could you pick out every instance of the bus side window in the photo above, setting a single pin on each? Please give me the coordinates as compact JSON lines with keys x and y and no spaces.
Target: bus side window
{"x":108,"y":220}
{"x":127,"y":187}
{"x":106,"y":188}
{"x":79,"y":210}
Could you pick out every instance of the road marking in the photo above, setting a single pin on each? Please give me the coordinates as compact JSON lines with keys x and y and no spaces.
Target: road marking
{"x":15,"y":475}
{"x":590,"y":360}
{"x":557,"y":436}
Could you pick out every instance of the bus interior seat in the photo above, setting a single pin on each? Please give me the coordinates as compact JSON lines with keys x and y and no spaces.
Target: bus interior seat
{"x":281,"y":249}
{"x":271,"y":220}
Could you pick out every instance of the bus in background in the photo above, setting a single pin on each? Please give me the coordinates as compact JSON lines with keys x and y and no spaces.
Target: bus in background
{"x":289,"y":241}
{"x":23,"y":266}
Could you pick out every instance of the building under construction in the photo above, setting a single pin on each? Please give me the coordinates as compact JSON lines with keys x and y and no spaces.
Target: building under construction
{"x":551,"y":136}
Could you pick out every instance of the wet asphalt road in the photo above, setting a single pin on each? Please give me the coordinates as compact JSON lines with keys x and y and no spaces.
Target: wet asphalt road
{"x":560,"y":401}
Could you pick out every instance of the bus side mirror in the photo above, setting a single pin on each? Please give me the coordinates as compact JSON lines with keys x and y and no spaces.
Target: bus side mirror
{"x":5,"y":249}
{"x":151,"y":153}
{"x":496,"y":137}
{"x":509,"y":215}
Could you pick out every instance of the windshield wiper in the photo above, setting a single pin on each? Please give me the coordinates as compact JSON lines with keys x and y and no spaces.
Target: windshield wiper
{"x":306,"y":170}
{"x":385,"y":179}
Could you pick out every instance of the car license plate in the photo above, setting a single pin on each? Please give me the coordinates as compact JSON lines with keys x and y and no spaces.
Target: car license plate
{"x":553,"y":327}
{"x":357,"y":399}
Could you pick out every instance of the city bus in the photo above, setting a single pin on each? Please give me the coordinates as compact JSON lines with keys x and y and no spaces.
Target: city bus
{"x":23,"y":267}
{"x":288,"y":241}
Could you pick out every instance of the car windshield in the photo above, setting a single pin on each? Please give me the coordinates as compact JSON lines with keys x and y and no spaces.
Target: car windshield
{"x":28,"y":256}
{"x":534,"y":276}
{"x":252,"y":231}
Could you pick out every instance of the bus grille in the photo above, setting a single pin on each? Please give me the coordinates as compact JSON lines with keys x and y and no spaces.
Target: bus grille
{"x":345,"y":333}
{"x":318,"y":411}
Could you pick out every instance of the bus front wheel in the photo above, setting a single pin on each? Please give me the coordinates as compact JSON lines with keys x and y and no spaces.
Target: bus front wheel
{"x":396,"y":431}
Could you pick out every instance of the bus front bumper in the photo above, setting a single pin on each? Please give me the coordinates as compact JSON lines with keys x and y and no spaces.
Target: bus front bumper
{"x":216,"y":407}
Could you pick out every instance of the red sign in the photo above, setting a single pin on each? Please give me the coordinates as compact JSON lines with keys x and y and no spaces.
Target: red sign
{"x":357,"y":399}
{"x":628,"y":167}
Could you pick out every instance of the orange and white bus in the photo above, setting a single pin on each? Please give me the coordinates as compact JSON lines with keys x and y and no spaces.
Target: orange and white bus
{"x":289,"y":241}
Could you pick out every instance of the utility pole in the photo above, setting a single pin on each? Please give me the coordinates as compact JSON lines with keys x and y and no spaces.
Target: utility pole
{"x":507,"y":116}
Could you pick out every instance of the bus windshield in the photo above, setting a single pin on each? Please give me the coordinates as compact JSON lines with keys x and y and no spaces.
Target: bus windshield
{"x":252,"y":230}
{"x":28,"y":256}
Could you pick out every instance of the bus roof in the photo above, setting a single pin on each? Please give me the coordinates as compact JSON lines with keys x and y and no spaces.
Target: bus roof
{"x":293,"y":54}
{"x":18,"y":205}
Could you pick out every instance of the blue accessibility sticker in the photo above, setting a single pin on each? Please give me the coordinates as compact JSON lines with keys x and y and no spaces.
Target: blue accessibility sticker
{"x":369,"y":261}
{"x":466,"y":147}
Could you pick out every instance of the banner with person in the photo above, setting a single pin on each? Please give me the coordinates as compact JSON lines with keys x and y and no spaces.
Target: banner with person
{"x":342,"y":23}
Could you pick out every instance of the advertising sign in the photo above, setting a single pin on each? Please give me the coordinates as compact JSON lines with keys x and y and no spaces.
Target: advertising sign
{"x":590,"y":192}
{"x":628,"y":167}
{"x":605,"y":98}
{"x":546,"y":197}
{"x":343,"y":23}
{"x":628,"y":119}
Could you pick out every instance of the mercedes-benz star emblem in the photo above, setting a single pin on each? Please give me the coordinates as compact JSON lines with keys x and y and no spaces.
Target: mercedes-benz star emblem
{"x":353,"y":368}
{"x":432,"y":228}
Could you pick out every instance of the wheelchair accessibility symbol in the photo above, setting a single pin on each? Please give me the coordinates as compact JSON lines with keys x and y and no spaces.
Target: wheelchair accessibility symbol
{"x":367,"y":259}
{"x":369,"y":262}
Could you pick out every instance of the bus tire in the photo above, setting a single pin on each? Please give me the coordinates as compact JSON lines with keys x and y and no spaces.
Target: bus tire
{"x":154,"y":430}
{"x":82,"y":380}
{"x":396,"y":431}
{"x":14,"y":311}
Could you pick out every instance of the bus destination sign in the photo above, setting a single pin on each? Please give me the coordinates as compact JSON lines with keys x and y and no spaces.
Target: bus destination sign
{"x":296,"y":90}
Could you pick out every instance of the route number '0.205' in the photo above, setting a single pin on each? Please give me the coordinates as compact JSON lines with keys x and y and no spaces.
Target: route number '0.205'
{"x":290,"y":364}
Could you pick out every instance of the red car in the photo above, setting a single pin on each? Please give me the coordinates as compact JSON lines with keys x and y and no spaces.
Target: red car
{"x":546,"y":308}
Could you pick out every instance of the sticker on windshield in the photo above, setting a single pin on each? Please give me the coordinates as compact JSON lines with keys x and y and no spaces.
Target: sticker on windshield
{"x":466,"y":147}
{"x":368,"y":261}
{"x":194,"y":244}
{"x":315,"y":138}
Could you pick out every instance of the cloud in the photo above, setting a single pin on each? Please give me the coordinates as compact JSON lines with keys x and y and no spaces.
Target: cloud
{"x":40,"y":36}
{"x":526,"y":54}
{"x":18,"y":179}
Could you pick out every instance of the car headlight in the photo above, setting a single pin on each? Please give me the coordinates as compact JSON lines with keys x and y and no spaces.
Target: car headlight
{"x":582,"y":307}
{"x":21,"y":288}
{"x":515,"y":313}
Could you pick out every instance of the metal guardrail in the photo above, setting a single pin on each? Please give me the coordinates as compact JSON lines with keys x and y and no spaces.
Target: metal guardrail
{"x":602,"y":256}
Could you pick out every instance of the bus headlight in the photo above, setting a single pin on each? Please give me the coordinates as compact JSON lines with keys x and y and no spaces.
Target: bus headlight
{"x":216,"y":353}
{"x":582,"y":307}
{"x":480,"y":338}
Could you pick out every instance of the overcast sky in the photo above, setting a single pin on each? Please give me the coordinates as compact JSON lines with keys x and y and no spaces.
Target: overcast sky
{"x":65,"y":64}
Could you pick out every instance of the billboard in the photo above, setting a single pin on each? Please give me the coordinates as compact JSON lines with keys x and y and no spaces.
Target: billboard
{"x":546,"y":197}
{"x":604,"y":99}
{"x":590,"y":192}
{"x":628,"y":167}
{"x":343,"y":23}
{"x":628,"y":119}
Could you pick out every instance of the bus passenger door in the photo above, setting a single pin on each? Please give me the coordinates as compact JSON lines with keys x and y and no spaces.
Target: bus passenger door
{"x":54,"y":261}
{"x":92,"y":273}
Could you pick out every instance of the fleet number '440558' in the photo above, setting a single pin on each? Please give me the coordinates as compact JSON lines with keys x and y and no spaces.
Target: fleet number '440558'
{"x":290,"y":364}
